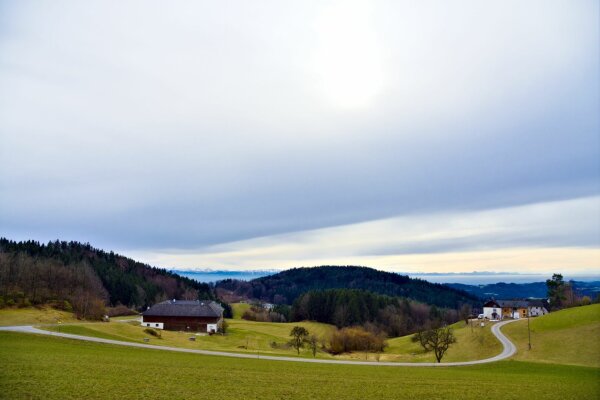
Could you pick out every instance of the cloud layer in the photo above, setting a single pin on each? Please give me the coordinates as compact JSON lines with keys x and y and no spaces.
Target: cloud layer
{"x":143,"y":127}
{"x":542,"y":237}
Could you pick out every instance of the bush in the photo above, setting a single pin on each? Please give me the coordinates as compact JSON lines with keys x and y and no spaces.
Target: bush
{"x":223,"y":327}
{"x":586,"y":301}
{"x":25,"y":303}
{"x":2,"y":304}
{"x":152,"y":332}
{"x":10,"y":302}
{"x":66,"y":306}
{"x":355,"y":339}
{"x":120,"y":310}
{"x":257,"y":313}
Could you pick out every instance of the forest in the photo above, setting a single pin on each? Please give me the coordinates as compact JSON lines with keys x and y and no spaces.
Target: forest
{"x":393,"y":316}
{"x":287,"y":286}
{"x":88,"y":279}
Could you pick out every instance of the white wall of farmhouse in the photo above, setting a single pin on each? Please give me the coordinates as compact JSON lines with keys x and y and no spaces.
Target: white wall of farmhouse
{"x":155,"y":325}
{"x":492,"y":312}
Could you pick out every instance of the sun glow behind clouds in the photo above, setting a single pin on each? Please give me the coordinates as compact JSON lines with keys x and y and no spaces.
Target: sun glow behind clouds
{"x":347,"y":61}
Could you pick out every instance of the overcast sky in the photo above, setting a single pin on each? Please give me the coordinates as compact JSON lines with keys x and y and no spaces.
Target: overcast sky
{"x":410,"y":136}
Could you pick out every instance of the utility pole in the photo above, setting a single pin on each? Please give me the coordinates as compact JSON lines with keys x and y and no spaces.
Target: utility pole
{"x":528,"y":329}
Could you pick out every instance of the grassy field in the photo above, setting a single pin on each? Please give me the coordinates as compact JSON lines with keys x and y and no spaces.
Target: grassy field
{"x":250,"y":336}
{"x":471,"y":344}
{"x":239,"y":309}
{"x":33,"y":316}
{"x":570,"y":336}
{"x":243,"y":336}
{"x":36,"y":367}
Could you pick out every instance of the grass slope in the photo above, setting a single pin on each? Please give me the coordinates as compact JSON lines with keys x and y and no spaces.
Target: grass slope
{"x":472,"y":343}
{"x":243,"y":336}
{"x":32,"y":316}
{"x":239,"y":309}
{"x":569,"y":336}
{"x":37,"y":367}
{"x":250,"y":336}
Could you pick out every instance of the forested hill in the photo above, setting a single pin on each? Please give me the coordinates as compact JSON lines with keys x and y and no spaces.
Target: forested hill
{"x":88,"y":278}
{"x":286,"y":286}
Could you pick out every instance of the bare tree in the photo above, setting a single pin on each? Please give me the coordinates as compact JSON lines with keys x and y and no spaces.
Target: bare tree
{"x":437,"y":340}
{"x":465,"y":312}
{"x":313,"y":343}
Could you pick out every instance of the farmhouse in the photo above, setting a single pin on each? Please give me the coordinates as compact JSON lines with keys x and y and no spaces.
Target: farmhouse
{"x":184,"y":315}
{"x":501,"y":309}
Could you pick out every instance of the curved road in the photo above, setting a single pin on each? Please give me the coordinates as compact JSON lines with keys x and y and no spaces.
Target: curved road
{"x":508,"y":349}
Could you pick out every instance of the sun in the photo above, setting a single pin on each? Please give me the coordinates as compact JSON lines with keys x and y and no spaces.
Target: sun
{"x":347,"y":59}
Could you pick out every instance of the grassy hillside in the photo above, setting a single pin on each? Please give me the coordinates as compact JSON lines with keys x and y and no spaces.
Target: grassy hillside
{"x":238,"y":309}
{"x":34,"y":316}
{"x":250,"y":336}
{"x":570,"y":336}
{"x":36,"y":367}
{"x":471,"y":344}
{"x":243,"y":336}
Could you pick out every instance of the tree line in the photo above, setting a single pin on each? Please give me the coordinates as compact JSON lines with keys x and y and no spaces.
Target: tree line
{"x":393,"y":316}
{"x":86,"y":277}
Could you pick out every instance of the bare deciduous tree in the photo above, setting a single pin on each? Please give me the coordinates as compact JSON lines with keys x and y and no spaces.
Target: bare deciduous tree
{"x":437,"y":340}
{"x":313,"y":342}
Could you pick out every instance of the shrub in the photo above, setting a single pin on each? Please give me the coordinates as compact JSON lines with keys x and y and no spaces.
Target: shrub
{"x":10,"y":302}
{"x":2,"y":304}
{"x":223,"y":327}
{"x":257,"y":313}
{"x":152,"y":332}
{"x":25,"y":303}
{"x":586,"y":301}
{"x":355,"y":339}
{"x":120,"y":310}
{"x":67,"y":306}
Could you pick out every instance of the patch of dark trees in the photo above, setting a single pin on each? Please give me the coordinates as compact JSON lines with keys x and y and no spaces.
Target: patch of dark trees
{"x":286,"y":286}
{"x":87,"y":278}
{"x":392,"y":316}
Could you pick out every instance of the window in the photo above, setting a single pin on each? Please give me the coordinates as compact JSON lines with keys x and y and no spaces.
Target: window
{"x":157,"y":325}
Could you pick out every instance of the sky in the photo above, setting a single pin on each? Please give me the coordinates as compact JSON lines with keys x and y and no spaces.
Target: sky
{"x":426,"y":136}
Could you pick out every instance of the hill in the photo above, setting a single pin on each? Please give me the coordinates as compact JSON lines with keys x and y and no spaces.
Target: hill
{"x":569,"y":336}
{"x":286,"y":286}
{"x":87,"y":278}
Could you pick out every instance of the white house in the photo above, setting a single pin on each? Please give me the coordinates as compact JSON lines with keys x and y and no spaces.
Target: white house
{"x":501,"y":309}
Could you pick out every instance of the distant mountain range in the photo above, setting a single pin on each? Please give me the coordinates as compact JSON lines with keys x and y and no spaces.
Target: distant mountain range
{"x":524,"y":290}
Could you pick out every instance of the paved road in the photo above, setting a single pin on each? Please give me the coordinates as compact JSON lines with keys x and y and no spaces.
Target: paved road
{"x":508,"y":349}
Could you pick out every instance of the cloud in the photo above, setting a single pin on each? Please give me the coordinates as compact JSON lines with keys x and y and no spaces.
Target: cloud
{"x":537,"y":237}
{"x":137,"y":126}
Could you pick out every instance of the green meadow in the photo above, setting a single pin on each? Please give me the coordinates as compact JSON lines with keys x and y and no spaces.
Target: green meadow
{"x":473,"y":342}
{"x":570,"y":336}
{"x":37,"y":367}
{"x":563,"y":363}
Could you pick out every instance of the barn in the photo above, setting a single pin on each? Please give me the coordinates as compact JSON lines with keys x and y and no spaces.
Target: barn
{"x":184,"y":315}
